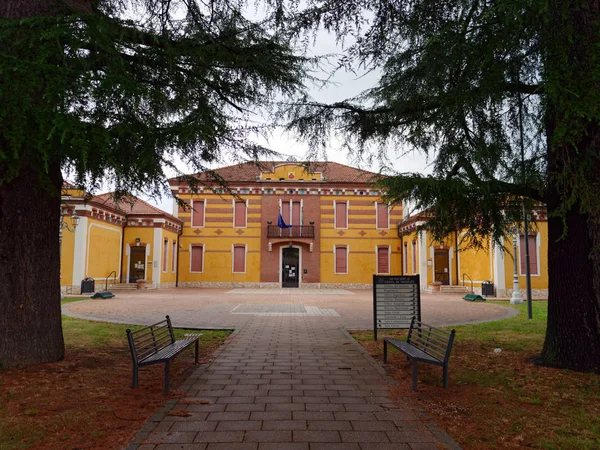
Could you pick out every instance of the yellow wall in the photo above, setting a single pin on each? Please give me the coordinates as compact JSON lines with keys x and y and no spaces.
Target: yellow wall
{"x":476,"y":263}
{"x":103,"y":249}
{"x":66,"y":258}
{"x":218,"y":237}
{"x":362,"y":241}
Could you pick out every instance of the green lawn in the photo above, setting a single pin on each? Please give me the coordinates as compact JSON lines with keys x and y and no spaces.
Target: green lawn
{"x":501,"y":399}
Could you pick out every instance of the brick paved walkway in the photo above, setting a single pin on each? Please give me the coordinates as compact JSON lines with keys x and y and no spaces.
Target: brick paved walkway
{"x":290,"y":382}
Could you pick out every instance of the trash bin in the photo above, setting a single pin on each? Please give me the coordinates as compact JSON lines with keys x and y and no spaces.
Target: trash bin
{"x":87,"y":286}
{"x":487,"y":289}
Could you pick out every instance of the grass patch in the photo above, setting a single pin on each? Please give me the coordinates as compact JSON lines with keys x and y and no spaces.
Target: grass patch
{"x":500,"y":399}
{"x":86,"y":400}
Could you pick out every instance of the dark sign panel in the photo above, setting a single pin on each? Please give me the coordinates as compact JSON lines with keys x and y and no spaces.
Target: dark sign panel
{"x":396,"y":300}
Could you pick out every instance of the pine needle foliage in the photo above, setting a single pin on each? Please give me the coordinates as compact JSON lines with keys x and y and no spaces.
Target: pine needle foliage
{"x":467,"y":83}
{"x":120,"y":91}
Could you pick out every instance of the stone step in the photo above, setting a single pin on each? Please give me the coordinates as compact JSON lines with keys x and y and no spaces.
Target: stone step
{"x":455,"y":289}
{"x":122,"y":287}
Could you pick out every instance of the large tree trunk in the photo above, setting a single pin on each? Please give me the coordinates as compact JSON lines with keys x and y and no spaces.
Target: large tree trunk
{"x":30,"y":317}
{"x":573,"y":132}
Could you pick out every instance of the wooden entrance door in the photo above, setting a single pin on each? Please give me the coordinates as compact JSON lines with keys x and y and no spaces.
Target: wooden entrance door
{"x":137,"y":263}
{"x":290,"y":267}
{"x":441,"y":264}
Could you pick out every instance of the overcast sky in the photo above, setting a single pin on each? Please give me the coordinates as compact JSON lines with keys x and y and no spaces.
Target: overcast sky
{"x":343,"y":85}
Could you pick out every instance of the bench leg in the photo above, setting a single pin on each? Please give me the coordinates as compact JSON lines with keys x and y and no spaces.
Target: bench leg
{"x":135,"y":376}
{"x":414,"y":375}
{"x":446,"y":376}
{"x":384,"y":351}
{"x":167,"y":366}
{"x":197,"y":341}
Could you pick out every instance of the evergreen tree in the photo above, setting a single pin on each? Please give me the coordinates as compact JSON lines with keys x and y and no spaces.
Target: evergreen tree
{"x":504,"y":97}
{"x":107,"y":90}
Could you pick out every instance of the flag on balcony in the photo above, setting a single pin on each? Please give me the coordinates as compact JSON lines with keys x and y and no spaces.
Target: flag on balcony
{"x":281,"y":223}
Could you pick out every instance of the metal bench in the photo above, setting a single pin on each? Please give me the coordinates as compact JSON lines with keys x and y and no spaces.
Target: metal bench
{"x":156,"y":344}
{"x":426,"y":344}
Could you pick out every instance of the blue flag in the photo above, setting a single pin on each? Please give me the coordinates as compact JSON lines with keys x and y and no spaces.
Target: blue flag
{"x":281,"y":223}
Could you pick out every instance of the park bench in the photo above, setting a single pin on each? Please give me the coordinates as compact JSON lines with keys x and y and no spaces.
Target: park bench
{"x":156,"y":344}
{"x":425,"y":344}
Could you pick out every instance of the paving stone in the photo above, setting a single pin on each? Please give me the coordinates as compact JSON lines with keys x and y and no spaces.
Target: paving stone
{"x":329,"y":425}
{"x":180,"y":447}
{"x":374,"y":425}
{"x":283,"y":446}
{"x":271,"y":415}
{"x":364,"y":436}
{"x":334,"y":446}
{"x":239,"y":425}
{"x":268,"y":436}
{"x":316,"y":436}
{"x":194,"y":426}
{"x":220,"y":436}
{"x":245,"y":407}
{"x":233,"y":415}
{"x":284,"y":425}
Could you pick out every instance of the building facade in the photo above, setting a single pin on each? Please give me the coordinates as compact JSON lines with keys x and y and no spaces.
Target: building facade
{"x":450,"y":263}
{"x":122,"y":242}
{"x":338,"y":231}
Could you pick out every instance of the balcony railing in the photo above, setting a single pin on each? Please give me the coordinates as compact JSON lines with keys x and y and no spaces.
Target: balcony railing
{"x":295,"y":231}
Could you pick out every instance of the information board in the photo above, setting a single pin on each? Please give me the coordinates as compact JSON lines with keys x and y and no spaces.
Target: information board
{"x":396,"y":300}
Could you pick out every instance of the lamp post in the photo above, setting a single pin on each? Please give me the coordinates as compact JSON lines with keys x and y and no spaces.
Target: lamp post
{"x":64,"y":224}
{"x":516,"y":298}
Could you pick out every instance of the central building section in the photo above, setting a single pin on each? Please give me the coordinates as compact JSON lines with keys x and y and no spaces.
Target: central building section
{"x":290,"y":225}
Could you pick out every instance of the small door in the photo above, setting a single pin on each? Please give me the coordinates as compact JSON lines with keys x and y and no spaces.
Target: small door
{"x":137,"y":263}
{"x":290,"y":268}
{"x":442,"y":266}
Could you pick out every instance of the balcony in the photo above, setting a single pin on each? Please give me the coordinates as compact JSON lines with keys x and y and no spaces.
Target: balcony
{"x":295,"y":231}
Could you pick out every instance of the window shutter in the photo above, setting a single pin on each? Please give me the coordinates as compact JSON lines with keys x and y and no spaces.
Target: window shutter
{"x":198,"y":213}
{"x":341,"y":215}
{"x":382,"y":216}
{"x":174,"y":257}
{"x":165,"y":255}
{"x":197,"y":251}
{"x":295,"y":214}
{"x":405,"y":258}
{"x":414,"y":256}
{"x":285,"y":212}
{"x":239,"y":259}
{"x":240,"y":214}
{"x":340,"y":260}
{"x":533,"y":268}
{"x":382,"y":260}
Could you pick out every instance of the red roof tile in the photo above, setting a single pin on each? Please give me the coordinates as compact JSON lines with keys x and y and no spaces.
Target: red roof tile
{"x":131,"y":205}
{"x":332,"y":172}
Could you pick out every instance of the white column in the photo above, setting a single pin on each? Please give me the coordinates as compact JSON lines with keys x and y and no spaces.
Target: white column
{"x":499,"y":274}
{"x":423,"y":258}
{"x":80,"y":251}
{"x":157,"y":256}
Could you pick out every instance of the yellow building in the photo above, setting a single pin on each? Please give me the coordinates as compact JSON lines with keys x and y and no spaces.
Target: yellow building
{"x":444,"y":268}
{"x":116,"y":243}
{"x":338,"y":232}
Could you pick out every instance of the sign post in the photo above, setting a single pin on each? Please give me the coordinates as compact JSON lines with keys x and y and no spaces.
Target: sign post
{"x":396,"y":300}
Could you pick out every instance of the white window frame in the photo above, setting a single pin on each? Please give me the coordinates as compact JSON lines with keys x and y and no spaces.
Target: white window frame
{"x":245,"y":216}
{"x":347,"y":247}
{"x":233,"y":246}
{"x":203,"y":200}
{"x":377,"y":225}
{"x":203,"y":253}
{"x":335,"y":225}
{"x":377,"y":247}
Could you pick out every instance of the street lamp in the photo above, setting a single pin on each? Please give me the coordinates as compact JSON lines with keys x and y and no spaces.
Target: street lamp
{"x":516,"y":298}
{"x":65,"y":224}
